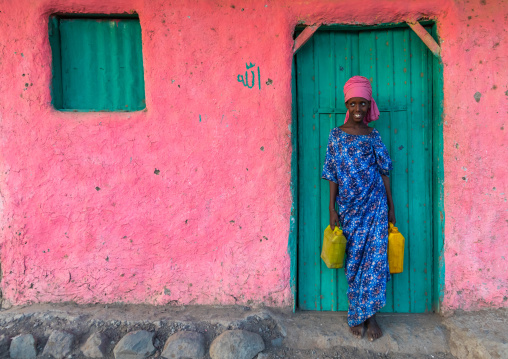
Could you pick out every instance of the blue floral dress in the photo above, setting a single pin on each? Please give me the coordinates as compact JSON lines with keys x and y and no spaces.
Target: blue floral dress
{"x":356,"y":163}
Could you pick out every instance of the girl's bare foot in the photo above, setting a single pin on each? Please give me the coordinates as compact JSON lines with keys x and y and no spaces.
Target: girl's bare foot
{"x":373,"y":330}
{"x":358,"y":330}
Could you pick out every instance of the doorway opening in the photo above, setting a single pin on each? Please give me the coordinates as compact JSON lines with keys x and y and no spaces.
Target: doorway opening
{"x":407,"y":86}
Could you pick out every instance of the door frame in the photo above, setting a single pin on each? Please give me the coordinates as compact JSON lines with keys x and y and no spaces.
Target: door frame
{"x":438,"y":214}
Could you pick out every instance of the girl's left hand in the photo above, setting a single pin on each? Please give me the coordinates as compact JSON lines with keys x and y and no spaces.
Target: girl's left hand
{"x":391,"y":216}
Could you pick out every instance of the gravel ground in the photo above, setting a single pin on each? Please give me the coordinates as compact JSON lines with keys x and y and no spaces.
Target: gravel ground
{"x":117,"y":320}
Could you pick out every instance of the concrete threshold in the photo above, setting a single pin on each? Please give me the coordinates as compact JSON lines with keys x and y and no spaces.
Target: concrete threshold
{"x":403,"y":333}
{"x":286,"y":335}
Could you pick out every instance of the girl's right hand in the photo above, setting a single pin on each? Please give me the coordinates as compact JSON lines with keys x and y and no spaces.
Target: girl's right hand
{"x":334,"y":219}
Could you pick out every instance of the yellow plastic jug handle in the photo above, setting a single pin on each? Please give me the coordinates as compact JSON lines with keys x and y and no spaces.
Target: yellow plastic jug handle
{"x":337,"y":231}
{"x":392,"y":227}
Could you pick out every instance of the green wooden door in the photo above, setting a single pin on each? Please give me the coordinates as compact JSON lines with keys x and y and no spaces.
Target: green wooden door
{"x":400,"y":69}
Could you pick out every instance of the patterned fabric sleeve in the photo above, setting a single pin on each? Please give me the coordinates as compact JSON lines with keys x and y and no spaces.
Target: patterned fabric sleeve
{"x":330,"y":172}
{"x":383,"y":161}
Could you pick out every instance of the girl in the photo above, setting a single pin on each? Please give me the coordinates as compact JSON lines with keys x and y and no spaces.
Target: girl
{"x":357,"y":165}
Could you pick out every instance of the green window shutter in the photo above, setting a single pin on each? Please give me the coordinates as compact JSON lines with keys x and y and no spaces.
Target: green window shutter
{"x":97,"y":64}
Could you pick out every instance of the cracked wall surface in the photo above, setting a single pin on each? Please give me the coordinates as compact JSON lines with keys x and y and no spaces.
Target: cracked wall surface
{"x":189,"y":201}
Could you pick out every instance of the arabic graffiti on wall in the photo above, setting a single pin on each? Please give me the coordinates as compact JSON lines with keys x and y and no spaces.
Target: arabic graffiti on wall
{"x":245,"y":79}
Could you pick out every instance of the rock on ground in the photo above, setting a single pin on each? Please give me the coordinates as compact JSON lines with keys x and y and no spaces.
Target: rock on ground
{"x":277,"y":342}
{"x":59,"y":344}
{"x":135,"y":345}
{"x":95,"y":346}
{"x":23,"y":347}
{"x":4,"y":346}
{"x":236,"y":344}
{"x":184,"y":345}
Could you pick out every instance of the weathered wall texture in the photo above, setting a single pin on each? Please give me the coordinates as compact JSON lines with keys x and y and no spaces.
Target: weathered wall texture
{"x":212,"y":226}
{"x":475,"y":50}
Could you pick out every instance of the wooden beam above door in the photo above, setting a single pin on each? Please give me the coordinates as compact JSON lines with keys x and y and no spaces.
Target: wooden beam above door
{"x":304,"y":36}
{"x":426,"y":37}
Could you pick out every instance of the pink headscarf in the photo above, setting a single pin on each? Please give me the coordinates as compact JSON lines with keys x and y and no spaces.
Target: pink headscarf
{"x":359,"y":86}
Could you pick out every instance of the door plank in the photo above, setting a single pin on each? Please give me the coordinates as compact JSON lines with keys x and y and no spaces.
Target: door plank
{"x":419,"y":231}
{"x":309,"y":244}
{"x":384,"y":87}
{"x":399,"y":155}
{"x":325,"y":75}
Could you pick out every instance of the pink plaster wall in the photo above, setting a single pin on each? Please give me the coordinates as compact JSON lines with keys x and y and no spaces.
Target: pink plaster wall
{"x":213,"y":225}
{"x":475,"y":53}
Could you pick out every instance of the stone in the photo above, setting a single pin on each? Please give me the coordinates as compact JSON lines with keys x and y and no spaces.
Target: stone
{"x":264,"y":315}
{"x":236,"y":344}
{"x":277,"y":342}
{"x":95,"y":346}
{"x":23,"y":347}
{"x":4,"y":346}
{"x":184,"y":345}
{"x":135,"y":345}
{"x":5,"y":304}
{"x":59,"y":344}
{"x":263,"y":356}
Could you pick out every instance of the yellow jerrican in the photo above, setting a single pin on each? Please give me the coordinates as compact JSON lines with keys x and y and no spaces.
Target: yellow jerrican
{"x":395,"y":250}
{"x":334,"y":247}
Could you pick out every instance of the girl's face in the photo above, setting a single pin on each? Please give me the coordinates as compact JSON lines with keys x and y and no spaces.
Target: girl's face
{"x":358,"y":108}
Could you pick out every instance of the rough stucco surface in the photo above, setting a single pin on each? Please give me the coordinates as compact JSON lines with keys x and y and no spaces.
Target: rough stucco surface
{"x":475,"y":152}
{"x":213,"y":225}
